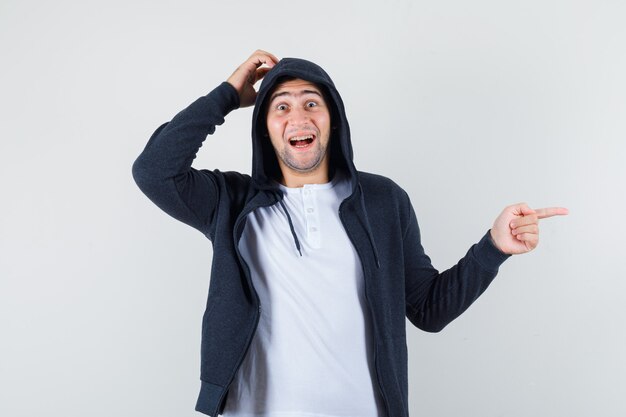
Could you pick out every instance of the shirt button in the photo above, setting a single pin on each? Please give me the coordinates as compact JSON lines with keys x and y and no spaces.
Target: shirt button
{"x":313,"y":229}
{"x":309,"y":210}
{"x":307,"y":192}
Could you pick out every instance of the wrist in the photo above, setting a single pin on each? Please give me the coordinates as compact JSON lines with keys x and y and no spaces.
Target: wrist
{"x":493,"y":242}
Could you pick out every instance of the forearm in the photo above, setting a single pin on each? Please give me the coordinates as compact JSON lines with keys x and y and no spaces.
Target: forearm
{"x":173,"y":147}
{"x":436,"y":299}
{"x":163,"y":171}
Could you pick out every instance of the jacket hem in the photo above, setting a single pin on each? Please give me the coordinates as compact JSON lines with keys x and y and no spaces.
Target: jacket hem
{"x":209,"y":398}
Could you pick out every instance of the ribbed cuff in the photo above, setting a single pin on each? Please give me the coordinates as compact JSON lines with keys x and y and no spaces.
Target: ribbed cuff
{"x":488,"y":254}
{"x":225,"y":96}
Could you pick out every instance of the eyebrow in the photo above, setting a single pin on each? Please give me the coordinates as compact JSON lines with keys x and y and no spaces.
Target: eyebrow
{"x":287,"y":93}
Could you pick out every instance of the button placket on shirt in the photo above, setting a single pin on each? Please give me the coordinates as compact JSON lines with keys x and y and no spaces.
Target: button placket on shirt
{"x":311,"y":216}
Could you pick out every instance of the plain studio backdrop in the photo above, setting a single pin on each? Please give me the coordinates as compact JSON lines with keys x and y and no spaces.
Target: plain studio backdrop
{"x":468,"y":105}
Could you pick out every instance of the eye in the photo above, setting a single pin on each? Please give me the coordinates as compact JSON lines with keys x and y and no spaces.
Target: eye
{"x":281,"y":107}
{"x":311,"y":104}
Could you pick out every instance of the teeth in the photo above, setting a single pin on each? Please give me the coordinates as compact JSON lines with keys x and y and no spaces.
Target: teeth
{"x":298,"y":138}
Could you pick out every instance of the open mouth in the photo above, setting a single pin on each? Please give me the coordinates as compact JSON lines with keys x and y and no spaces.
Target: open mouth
{"x":301,"y":141}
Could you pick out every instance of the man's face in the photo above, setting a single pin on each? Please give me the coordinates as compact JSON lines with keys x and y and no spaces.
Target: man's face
{"x":298,"y":122}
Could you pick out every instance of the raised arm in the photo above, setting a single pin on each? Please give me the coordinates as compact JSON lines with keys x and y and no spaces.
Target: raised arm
{"x":163,"y":170}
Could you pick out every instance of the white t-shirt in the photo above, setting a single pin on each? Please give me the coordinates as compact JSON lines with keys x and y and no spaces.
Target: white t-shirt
{"x":312,"y":353}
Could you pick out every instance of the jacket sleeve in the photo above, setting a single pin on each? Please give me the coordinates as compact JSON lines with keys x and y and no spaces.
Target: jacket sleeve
{"x":163,"y":170}
{"x":433,"y":298}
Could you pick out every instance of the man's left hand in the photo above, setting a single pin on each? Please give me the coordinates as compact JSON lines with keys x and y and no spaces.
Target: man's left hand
{"x":516,"y":230}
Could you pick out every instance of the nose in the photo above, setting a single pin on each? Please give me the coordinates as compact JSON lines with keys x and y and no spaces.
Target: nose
{"x":298,"y":116}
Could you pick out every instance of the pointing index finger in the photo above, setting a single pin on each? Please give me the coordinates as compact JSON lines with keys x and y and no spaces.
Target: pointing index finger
{"x":543,"y":213}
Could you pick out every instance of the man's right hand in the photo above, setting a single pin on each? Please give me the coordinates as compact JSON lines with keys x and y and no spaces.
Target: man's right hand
{"x":248,"y":73}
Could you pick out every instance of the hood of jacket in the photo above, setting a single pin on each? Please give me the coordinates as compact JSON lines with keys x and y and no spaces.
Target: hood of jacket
{"x":265,"y":166}
{"x":264,"y":161}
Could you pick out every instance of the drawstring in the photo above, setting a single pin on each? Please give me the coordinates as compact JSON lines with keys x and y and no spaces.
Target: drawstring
{"x":293,"y":232}
{"x":369,"y":228}
{"x":367,"y":224}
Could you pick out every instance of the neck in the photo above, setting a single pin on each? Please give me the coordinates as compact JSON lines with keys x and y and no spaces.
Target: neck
{"x":292,"y":180}
{"x":295,"y":179}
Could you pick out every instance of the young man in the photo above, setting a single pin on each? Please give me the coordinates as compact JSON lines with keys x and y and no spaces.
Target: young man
{"x":315,"y":264}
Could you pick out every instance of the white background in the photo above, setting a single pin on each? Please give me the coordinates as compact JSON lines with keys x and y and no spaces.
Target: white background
{"x":468,"y":105}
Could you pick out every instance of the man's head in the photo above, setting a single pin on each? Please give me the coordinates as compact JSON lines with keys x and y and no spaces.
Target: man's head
{"x":298,"y":121}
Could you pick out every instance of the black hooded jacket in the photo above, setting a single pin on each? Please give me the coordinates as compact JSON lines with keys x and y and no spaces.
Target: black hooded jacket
{"x":378,"y":217}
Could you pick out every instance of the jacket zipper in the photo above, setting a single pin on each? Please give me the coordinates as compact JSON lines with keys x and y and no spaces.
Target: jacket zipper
{"x":380,"y":385}
{"x":258,"y":302}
